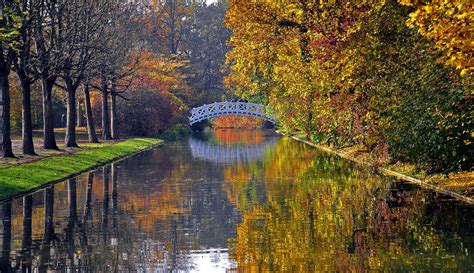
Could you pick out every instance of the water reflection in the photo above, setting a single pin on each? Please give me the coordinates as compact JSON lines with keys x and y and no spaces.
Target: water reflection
{"x":6,"y":237}
{"x":231,"y":146}
{"x":293,"y":209}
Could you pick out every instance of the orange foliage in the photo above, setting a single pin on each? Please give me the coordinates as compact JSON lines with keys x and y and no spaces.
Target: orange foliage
{"x":161,"y":74}
{"x":234,"y":121}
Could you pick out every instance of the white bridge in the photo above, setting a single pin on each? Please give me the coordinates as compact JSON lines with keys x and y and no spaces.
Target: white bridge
{"x":226,"y":108}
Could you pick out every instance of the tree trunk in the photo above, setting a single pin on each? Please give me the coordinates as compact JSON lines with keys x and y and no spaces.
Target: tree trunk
{"x":113,"y":112}
{"x":49,"y":139}
{"x":70,"y":140}
{"x":105,"y":112}
{"x":27,"y":124}
{"x":79,"y":113}
{"x":6,"y":141}
{"x":90,"y":118}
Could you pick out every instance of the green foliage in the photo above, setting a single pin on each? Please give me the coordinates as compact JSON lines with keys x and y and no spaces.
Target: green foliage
{"x":10,"y":23}
{"x":29,"y":176}
{"x":415,"y":105}
{"x":176,"y":133}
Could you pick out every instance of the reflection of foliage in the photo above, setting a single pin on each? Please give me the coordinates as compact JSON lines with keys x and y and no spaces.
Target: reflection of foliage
{"x":236,"y":137}
{"x":302,"y":211}
{"x":322,"y":213}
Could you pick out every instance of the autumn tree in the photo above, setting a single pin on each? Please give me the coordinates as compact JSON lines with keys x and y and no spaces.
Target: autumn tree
{"x":21,"y":59}
{"x":166,"y":22}
{"x":351,"y":73}
{"x":158,"y":94}
{"x":8,"y":32}
{"x":449,"y":25}
{"x":47,"y":44}
{"x":116,"y":41}
{"x":87,"y":23}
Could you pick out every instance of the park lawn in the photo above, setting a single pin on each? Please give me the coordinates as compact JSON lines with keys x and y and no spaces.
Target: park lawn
{"x":25,"y":177}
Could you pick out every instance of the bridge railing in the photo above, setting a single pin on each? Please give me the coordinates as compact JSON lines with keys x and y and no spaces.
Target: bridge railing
{"x":228,"y":108}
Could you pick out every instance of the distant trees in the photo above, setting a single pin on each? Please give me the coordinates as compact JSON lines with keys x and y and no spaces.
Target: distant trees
{"x":169,"y":51}
{"x":206,"y":49}
{"x":178,"y":63}
{"x":195,"y":33}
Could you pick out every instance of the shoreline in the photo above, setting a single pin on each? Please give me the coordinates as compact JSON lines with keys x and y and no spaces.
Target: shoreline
{"x":387,"y":172}
{"x":21,"y":179}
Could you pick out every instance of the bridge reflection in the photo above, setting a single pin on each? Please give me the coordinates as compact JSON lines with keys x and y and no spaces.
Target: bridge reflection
{"x":227,"y":154}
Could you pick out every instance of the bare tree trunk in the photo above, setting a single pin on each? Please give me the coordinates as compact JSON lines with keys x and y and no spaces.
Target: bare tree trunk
{"x":105,"y":112}
{"x":90,"y":118}
{"x":49,"y":139}
{"x":113,"y":112}
{"x":6,"y":142}
{"x":79,"y":113}
{"x":113,"y":117}
{"x":70,"y":140}
{"x":27,"y":124}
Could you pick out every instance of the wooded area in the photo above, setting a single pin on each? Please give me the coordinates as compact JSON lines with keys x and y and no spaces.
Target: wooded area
{"x":127,"y":67}
{"x":393,"y":77}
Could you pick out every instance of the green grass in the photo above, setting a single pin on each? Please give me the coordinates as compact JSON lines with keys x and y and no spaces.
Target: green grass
{"x":29,"y":176}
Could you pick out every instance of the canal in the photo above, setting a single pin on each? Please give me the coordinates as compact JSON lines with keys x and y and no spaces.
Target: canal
{"x":248,"y":201}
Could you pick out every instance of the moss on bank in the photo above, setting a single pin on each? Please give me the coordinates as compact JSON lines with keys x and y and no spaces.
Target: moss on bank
{"x":25,"y":177}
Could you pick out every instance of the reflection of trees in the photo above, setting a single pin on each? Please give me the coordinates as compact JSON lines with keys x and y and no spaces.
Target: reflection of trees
{"x":133,"y":217}
{"x":6,"y":237}
{"x":48,"y":235}
{"x":27,"y":232}
{"x":301,"y":211}
{"x":322,"y":213}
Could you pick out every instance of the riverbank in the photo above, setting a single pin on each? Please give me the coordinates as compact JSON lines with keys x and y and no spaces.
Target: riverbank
{"x":456,"y":185}
{"x":19,"y":177}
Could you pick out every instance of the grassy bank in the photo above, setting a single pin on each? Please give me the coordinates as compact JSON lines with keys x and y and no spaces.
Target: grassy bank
{"x":25,"y":177}
{"x":457,"y":185}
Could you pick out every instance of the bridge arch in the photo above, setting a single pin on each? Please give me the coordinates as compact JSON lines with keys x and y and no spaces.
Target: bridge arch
{"x":227,"y":108}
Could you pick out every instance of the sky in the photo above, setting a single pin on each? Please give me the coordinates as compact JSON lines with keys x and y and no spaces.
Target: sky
{"x":210,"y":1}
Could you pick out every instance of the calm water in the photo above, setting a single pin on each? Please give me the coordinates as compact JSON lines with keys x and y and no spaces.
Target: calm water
{"x":241,"y":201}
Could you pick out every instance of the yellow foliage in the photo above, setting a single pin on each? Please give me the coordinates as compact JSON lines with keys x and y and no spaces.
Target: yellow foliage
{"x":449,"y":23}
